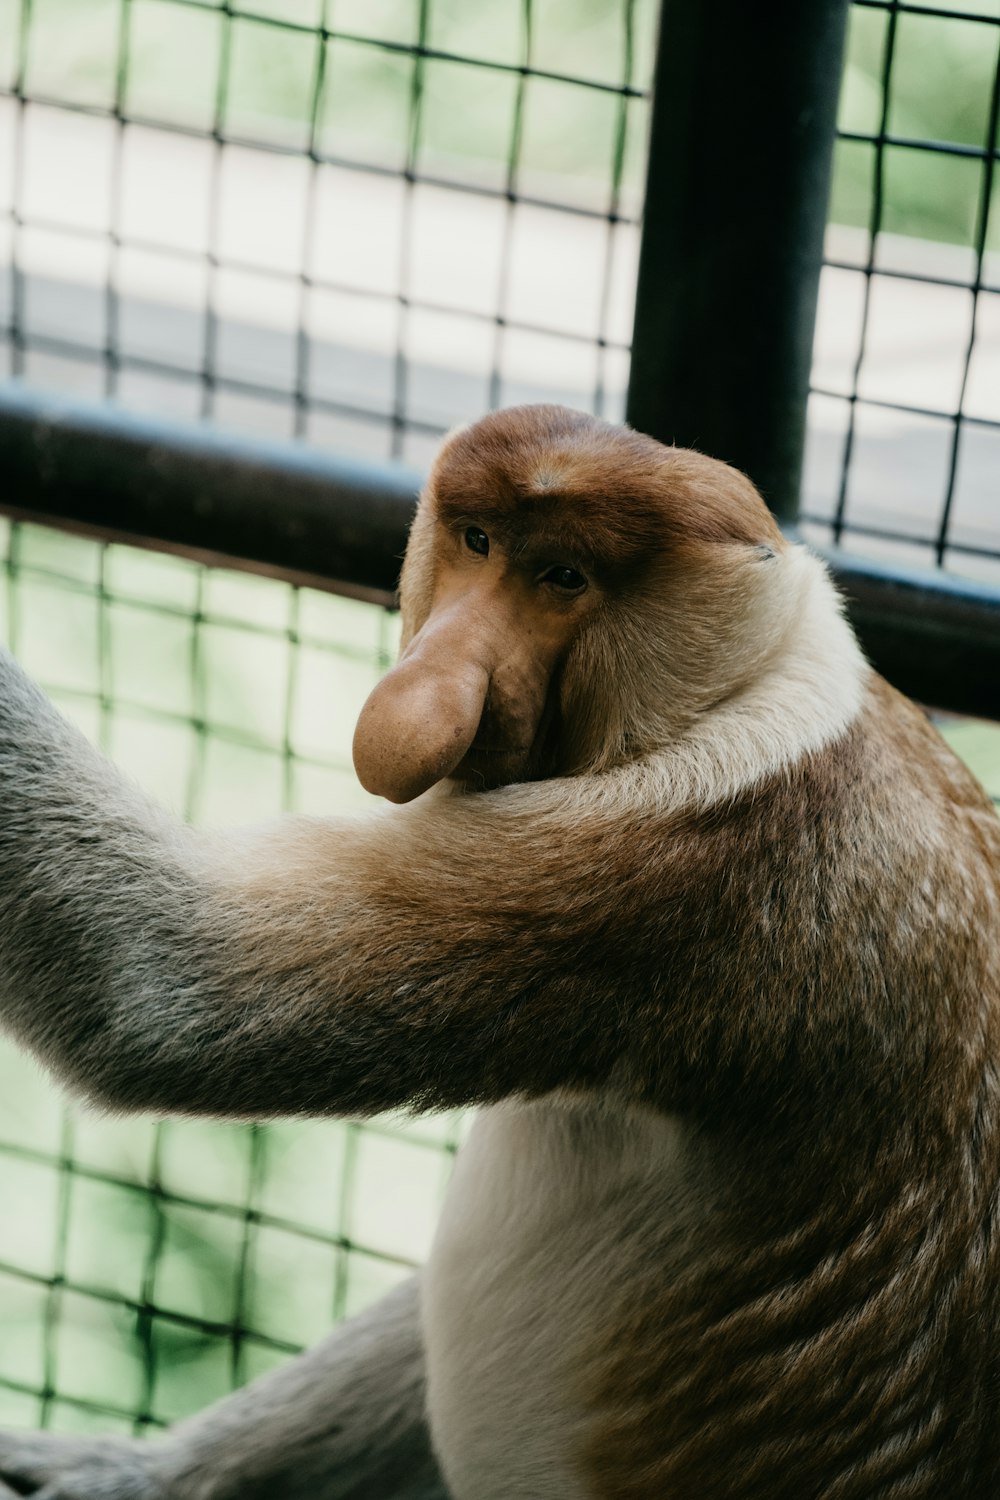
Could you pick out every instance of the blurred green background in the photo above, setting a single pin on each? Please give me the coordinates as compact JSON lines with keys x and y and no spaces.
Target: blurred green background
{"x":942,"y":76}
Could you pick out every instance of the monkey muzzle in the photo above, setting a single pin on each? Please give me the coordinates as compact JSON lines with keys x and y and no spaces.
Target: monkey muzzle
{"x":428,"y":716}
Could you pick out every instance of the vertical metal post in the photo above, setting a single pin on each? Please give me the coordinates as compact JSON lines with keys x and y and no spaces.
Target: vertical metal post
{"x":744,"y":114}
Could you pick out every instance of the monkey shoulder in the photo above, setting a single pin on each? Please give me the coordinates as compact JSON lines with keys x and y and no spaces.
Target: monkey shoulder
{"x":883,"y":808}
{"x":844,"y":908}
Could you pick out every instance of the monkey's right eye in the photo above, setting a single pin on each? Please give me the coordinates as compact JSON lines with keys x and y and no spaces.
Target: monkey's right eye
{"x":477,"y":541}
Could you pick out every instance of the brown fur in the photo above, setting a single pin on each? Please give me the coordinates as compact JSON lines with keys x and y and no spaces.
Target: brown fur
{"x":810,"y":972}
{"x":611,"y":495}
{"x":835,"y":1331}
{"x":810,"y":976}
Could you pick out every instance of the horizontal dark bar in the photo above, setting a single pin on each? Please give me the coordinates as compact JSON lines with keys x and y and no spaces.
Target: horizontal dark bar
{"x":277,"y":506}
{"x":939,"y":12}
{"x":286,"y":509}
{"x":934,"y":637}
{"x":918,"y":143}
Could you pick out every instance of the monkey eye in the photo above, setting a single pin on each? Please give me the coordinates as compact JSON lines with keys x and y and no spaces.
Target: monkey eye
{"x":477,"y":541}
{"x":566,"y":579}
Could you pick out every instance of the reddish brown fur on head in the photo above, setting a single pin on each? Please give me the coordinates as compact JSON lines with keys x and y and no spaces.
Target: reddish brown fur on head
{"x":498,"y":664}
{"x":607,"y":487}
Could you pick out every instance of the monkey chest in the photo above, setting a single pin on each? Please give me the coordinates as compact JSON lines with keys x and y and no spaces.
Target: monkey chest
{"x":535,"y":1241}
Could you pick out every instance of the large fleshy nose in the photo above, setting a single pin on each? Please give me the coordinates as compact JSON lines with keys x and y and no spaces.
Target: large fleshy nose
{"x":421,"y":719}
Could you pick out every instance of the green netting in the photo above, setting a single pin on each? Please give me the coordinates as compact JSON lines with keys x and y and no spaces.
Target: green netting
{"x":904,"y":419}
{"x":145,"y":1268}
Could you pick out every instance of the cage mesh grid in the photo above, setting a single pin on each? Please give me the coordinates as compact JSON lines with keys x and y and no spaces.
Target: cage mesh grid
{"x":145,"y":1269}
{"x":905,"y":413}
{"x":363,"y":223}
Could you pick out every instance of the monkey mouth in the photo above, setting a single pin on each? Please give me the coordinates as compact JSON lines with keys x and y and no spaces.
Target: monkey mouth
{"x":487,"y":753}
{"x":497,"y":735}
{"x":492,"y":760}
{"x":488,"y":744}
{"x":486,"y":776}
{"x":500,"y":750}
{"x":507,"y":748}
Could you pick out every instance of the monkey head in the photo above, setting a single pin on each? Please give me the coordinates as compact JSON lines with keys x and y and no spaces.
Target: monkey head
{"x":574,"y":594}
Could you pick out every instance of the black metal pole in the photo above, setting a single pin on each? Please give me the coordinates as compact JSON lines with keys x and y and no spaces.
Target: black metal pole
{"x":744,"y":113}
{"x":277,"y":507}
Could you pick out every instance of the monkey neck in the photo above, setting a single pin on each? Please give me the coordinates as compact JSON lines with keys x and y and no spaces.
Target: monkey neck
{"x":802,"y":695}
{"x":745,"y":700}
{"x":798,"y":692}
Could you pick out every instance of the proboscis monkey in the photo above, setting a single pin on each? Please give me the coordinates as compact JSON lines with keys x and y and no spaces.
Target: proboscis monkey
{"x":702,"y":914}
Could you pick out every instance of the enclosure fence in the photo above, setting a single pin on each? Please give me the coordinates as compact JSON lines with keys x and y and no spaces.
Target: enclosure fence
{"x":437,"y":184}
{"x":918,"y":284}
{"x":359,"y":223}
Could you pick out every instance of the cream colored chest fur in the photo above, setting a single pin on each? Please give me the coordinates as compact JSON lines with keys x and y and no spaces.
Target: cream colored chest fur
{"x":534,"y":1227}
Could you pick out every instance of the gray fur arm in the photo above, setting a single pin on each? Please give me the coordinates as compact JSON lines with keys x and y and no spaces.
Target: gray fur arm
{"x":84,"y":858}
{"x":343,"y":1422}
{"x":313,"y":967}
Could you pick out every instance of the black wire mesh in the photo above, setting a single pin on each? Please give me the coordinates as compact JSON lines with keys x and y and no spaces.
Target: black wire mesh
{"x":905,"y":416}
{"x":359,"y":223}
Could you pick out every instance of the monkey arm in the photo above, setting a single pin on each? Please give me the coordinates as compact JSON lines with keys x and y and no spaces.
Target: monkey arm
{"x":343,"y":1422}
{"x":428,"y":957}
{"x":461,"y":949}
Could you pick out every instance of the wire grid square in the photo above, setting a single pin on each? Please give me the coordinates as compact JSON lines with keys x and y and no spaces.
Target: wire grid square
{"x":149,"y":84}
{"x":145,"y":1268}
{"x":906,"y":344}
{"x":243,"y":226}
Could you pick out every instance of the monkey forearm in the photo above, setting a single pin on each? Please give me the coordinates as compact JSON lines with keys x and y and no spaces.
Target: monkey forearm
{"x":343,"y":1422}
{"x":312,"y":968}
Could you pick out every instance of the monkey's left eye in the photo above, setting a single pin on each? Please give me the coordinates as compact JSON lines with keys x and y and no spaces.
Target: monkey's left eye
{"x":566,"y":579}
{"x":477,"y":541}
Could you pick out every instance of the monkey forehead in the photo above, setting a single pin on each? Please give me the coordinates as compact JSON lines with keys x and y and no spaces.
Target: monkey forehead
{"x":602,"y":490}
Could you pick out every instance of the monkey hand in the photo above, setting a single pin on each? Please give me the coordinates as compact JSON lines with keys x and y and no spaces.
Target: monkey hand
{"x":50,"y":1466}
